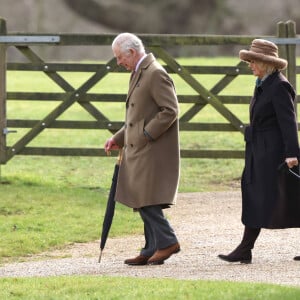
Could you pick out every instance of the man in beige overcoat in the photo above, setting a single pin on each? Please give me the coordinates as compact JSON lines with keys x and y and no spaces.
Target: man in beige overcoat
{"x":149,"y":170}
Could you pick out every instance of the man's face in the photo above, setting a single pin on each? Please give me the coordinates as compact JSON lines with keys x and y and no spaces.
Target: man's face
{"x":126,"y":59}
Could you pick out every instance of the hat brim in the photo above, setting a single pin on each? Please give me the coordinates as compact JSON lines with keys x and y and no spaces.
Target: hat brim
{"x":278,"y":63}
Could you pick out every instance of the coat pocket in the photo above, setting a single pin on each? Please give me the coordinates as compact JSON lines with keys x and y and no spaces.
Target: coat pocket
{"x":136,"y":138}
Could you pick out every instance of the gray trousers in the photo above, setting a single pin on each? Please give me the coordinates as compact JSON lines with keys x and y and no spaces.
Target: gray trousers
{"x":158,"y":232}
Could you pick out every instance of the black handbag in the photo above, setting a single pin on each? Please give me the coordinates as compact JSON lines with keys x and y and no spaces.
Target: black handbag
{"x":295,"y":170}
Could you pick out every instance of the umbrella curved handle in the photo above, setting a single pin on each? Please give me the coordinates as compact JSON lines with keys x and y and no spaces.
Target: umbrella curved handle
{"x":120,"y":156}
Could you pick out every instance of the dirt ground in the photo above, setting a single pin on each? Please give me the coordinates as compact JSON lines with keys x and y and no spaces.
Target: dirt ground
{"x":206,"y":224}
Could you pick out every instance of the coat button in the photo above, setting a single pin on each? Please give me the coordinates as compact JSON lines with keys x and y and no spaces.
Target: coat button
{"x":131,"y":145}
{"x":130,"y":124}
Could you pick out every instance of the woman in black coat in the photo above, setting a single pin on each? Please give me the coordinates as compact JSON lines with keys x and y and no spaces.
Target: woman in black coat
{"x":270,"y":192}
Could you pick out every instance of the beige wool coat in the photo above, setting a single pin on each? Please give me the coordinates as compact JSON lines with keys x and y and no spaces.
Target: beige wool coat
{"x":149,"y":171}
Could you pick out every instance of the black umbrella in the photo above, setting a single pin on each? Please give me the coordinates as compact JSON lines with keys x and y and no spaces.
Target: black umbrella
{"x":110,"y":207}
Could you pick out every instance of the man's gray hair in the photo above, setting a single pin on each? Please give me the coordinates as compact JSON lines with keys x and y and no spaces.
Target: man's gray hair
{"x":126,"y":41}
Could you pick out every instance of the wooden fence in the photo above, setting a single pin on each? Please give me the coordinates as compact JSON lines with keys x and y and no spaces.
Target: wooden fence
{"x":158,"y":44}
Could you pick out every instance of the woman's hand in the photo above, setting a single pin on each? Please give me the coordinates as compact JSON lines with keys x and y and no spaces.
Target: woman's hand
{"x":291,"y":161}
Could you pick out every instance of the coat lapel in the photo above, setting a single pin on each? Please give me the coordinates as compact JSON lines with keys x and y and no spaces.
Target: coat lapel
{"x":135,"y":78}
{"x":132,"y":83}
{"x":260,"y":89}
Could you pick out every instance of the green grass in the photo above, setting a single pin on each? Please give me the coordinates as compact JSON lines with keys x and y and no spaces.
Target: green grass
{"x":94,"y":287}
{"x":49,"y":202}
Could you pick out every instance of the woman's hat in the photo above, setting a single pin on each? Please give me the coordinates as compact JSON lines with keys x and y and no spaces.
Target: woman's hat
{"x":264,"y":51}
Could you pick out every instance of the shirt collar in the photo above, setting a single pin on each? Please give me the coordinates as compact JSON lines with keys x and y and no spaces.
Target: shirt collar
{"x":139,"y":62}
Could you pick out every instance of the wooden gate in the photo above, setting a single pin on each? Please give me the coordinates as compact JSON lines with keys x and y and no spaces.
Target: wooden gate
{"x":157,"y":44}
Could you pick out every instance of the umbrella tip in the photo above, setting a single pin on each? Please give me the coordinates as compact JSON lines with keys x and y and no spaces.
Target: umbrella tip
{"x":100,"y":255}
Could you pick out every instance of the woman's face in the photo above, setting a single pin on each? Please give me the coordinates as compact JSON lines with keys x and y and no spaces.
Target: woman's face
{"x":258,"y":68}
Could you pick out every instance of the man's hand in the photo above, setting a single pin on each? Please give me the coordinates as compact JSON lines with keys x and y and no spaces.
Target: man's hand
{"x":110,"y":145}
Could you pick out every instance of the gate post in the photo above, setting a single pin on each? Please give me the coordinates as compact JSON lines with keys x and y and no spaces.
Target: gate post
{"x":291,"y":51}
{"x":291,"y":56}
{"x":282,"y":49}
{"x":3,"y":31}
{"x":288,"y":51}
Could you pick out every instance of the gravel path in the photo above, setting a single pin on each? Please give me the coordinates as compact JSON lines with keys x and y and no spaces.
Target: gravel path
{"x":206,"y":224}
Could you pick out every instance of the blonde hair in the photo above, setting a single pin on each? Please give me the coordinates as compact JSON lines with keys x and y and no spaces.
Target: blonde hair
{"x":268,"y":68}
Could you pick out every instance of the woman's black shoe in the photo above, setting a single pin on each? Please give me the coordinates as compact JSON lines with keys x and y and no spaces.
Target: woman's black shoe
{"x":243,"y":259}
{"x":297,"y":258}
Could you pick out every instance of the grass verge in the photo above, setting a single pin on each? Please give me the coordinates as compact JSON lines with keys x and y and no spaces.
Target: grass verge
{"x":91,"y":287}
